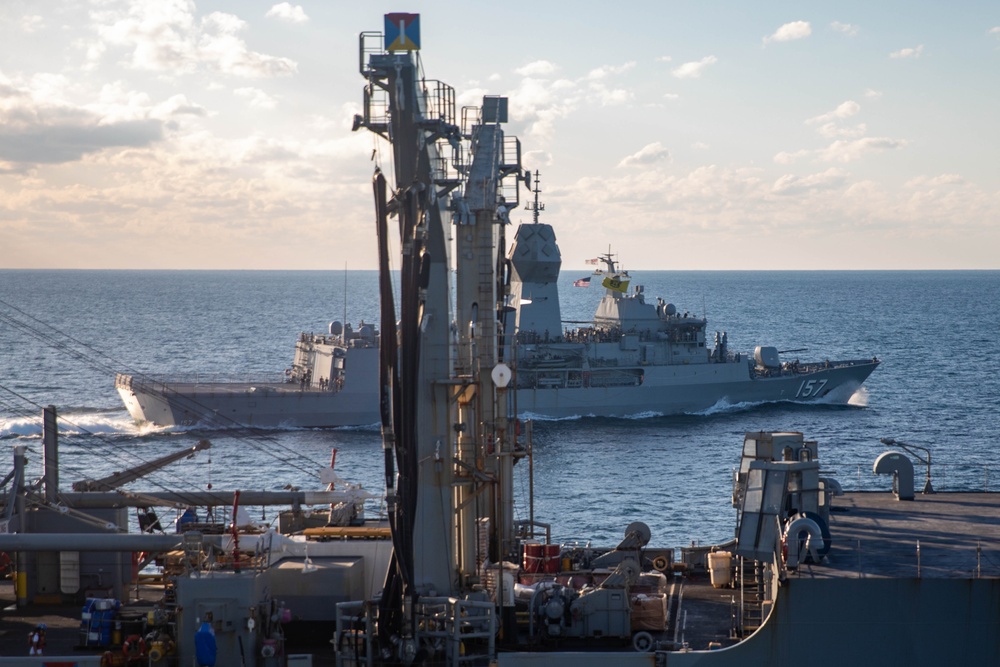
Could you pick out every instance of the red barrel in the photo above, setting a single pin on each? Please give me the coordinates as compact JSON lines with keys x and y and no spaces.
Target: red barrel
{"x":551,"y":562}
{"x":533,"y":557}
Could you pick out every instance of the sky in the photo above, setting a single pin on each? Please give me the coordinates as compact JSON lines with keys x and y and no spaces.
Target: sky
{"x":183,"y":134}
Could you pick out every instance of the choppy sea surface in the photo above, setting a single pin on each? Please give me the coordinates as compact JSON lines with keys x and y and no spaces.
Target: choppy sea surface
{"x":63,"y":334}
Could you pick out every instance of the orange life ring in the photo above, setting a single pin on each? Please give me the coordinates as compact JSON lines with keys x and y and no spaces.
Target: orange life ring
{"x":134,"y":646}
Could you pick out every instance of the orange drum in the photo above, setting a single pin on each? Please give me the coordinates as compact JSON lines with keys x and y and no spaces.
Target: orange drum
{"x":533,"y":557}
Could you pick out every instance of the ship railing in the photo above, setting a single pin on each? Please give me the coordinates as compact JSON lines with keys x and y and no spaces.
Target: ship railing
{"x":354,"y":638}
{"x":465,"y":628}
{"x":526,"y":529}
{"x":159,"y":382}
{"x":958,"y":557}
{"x":371,"y":43}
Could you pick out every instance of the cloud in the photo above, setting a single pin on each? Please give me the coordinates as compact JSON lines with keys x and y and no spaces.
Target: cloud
{"x":32,"y":23}
{"x":537,"y":68}
{"x":846,"y":28}
{"x":790,"y":31}
{"x":664,"y":59}
{"x":913,"y":52}
{"x":37,"y":127}
{"x":848,"y":151}
{"x":609,"y":70}
{"x":535,"y":159}
{"x":599,"y":89}
{"x":873,"y":94}
{"x":539,"y":104}
{"x":164,"y":35}
{"x":785,"y":157}
{"x":831,"y":130}
{"x":935,"y":181}
{"x":843,"y":110}
{"x":69,"y":137}
{"x":648,"y":154}
{"x":790,"y":184}
{"x":257,"y":97}
{"x":288,"y":12}
{"x":995,"y":30}
{"x":178,"y":105}
{"x":693,"y":70}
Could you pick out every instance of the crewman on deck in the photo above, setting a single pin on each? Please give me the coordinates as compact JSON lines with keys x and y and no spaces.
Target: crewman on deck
{"x":205,"y":648}
{"x":36,"y":640}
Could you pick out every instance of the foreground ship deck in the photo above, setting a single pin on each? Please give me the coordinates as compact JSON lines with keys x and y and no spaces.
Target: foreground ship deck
{"x":875,"y":599}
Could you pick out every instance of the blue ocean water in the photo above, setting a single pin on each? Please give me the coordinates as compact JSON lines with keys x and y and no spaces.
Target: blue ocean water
{"x":63,"y":334}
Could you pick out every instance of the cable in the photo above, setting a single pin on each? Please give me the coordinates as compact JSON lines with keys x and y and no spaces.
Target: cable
{"x":56,"y":339}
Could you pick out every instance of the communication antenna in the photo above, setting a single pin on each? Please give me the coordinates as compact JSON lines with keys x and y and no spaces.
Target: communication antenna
{"x":536,"y":206}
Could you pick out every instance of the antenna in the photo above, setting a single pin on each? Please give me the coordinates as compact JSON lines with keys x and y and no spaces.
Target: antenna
{"x":343,"y":331}
{"x":536,"y":206}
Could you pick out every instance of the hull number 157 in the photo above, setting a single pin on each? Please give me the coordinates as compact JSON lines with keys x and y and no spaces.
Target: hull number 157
{"x":810,"y":388}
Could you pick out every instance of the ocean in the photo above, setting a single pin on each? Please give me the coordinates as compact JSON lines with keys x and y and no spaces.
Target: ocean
{"x":63,"y":335}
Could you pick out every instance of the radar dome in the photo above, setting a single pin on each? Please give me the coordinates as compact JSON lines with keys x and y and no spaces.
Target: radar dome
{"x":336,"y":328}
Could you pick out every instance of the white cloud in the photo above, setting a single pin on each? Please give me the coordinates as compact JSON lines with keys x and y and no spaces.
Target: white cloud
{"x":935,"y":181}
{"x":163,"y":35}
{"x":693,"y":70}
{"x":540,"y":104}
{"x":598,"y":88}
{"x":790,"y":31}
{"x":32,"y":23}
{"x":535,"y":159}
{"x":908,"y":52}
{"x":610,"y":70}
{"x":831,"y":130}
{"x":873,"y":94}
{"x":789,"y":184}
{"x":847,"y":28}
{"x":700,"y":146}
{"x":848,"y":151}
{"x":257,"y":97}
{"x":785,"y":157}
{"x":664,"y":59}
{"x":178,"y":105}
{"x":537,"y":68}
{"x":611,"y":96}
{"x":995,"y":30}
{"x":843,"y":110}
{"x":38,"y":127}
{"x":648,"y":154}
{"x":288,"y":12}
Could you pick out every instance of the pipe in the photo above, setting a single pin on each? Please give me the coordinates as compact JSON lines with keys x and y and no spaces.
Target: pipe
{"x":50,"y":436}
{"x":21,"y":542}
{"x":814,"y":542}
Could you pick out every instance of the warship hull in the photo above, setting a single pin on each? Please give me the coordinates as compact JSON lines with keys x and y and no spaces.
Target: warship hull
{"x":669,"y":390}
{"x":556,"y":394}
{"x":242,"y":404}
{"x":303,"y":401}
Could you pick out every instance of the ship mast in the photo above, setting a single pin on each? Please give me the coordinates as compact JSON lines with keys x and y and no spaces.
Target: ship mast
{"x":448,"y":453}
{"x":535,"y":206}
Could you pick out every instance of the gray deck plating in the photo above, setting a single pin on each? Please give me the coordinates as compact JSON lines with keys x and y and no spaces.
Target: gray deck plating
{"x":875,"y":535}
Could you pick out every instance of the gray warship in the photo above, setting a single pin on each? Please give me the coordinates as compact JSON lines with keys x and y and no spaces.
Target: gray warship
{"x":634,"y":358}
{"x":638,"y":357}
{"x":333,"y":381}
